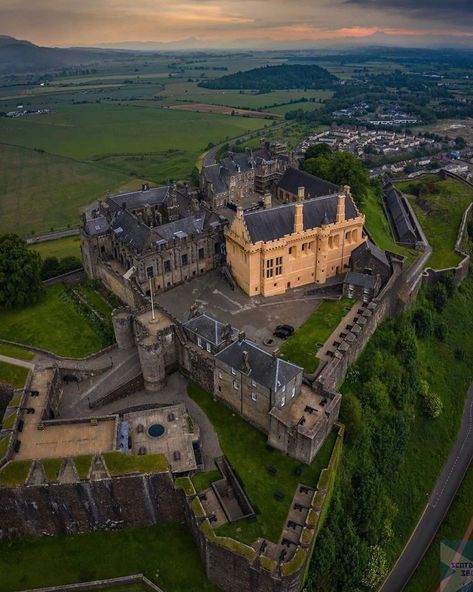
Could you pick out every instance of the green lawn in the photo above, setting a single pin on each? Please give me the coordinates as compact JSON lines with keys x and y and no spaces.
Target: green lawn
{"x":378,"y":227}
{"x":202,"y":481}
{"x":439,"y":209}
{"x":54,"y":323}
{"x":426,"y":578}
{"x":15,"y":352}
{"x":165,"y":553}
{"x":13,"y":375}
{"x":62,"y":247}
{"x":40,"y":191}
{"x":301,"y":347}
{"x":246,"y":449}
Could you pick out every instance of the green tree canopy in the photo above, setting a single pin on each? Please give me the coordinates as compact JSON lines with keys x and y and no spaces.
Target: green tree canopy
{"x":20,"y":268}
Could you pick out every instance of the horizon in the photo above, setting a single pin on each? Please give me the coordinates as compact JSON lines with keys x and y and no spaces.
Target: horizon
{"x":210,"y":23}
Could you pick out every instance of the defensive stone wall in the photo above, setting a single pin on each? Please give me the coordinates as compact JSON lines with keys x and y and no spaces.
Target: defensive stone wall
{"x":87,"y":505}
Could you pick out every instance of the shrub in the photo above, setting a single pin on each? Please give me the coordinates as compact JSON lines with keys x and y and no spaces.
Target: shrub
{"x":432,"y":404}
{"x":439,"y":296}
{"x":441,"y":330}
{"x":423,"y":322}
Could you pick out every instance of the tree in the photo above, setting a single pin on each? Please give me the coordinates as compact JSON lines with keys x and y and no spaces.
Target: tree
{"x":318,"y":150}
{"x":439,"y":296}
{"x":432,"y":403}
{"x":376,"y":569}
{"x":423,"y":322}
{"x":20,"y":268}
{"x":352,"y":417}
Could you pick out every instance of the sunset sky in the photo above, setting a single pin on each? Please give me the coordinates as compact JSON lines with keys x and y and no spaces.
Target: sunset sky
{"x":88,"y":22}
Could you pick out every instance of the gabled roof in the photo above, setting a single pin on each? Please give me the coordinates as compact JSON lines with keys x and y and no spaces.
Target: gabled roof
{"x":130,"y":231}
{"x":314,"y":186}
{"x":274,"y":223}
{"x":403,"y":226}
{"x":363,"y":280}
{"x":183,"y":227}
{"x":265,"y":369}
{"x":96,"y":226}
{"x":208,"y":328}
{"x":139,"y":199}
{"x":215,"y":174}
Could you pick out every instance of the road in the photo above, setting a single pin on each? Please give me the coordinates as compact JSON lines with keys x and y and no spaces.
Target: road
{"x":41,"y":238}
{"x":209,"y":157}
{"x":439,"y":502}
{"x":17,"y":362}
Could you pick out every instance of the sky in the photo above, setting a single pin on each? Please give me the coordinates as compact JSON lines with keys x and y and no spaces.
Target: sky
{"x":89,"y":22}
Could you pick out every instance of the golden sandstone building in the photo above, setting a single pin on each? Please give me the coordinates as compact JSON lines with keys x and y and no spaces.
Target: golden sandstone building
{"x":304,"y":242}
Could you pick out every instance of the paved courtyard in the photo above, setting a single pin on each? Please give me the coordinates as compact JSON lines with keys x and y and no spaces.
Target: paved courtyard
{"x":256,"y":316}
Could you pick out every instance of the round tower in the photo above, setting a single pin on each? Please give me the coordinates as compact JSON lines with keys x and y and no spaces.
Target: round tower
{"x":122,"y":320}
{"x":153,"y":369}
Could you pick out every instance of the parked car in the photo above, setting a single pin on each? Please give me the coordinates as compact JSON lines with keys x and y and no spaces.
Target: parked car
{"x":283,"y":331}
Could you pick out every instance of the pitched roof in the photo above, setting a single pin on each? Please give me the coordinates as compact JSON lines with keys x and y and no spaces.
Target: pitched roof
{"x":139,"y":199}
{"x":129,"y":230}
{"x":314,"y":186}
{"x":265,"y":369}
{"x":403,"y":226}
{"x":96,"y":226}
{"x":207,"y":327}
{"x":274,"y":223}
{"x":360,"y":279}
{"x":183,"y":227}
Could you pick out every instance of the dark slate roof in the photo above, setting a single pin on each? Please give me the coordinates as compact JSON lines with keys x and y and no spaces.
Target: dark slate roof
{"x":240,"y":162}
{"x":273,"y":224}
{"x":377,"y":253}
{"x":130,"y":231}
{"x":97,"y":226}
{"x":267,"y":370}
{"x":208,"y":328}
{"x":185,"y":226}
{"x":360,"y":279}
{"x":314,"y":186}
{"x":140,"y":199}
{"x":214,"y":174}
{"x":403,"y":226}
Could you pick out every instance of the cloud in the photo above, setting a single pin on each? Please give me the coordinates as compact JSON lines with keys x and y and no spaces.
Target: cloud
{"x":454,"y":11}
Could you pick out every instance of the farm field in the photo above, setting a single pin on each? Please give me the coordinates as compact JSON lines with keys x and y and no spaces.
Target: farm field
{"x":439,"y":205}
{"x":40,"y":191}
{"x":223,"y":110}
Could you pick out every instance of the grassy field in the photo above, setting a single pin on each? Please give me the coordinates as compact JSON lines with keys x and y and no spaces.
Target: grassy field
{"x":54,"y":323}
{"x":40,"y":191}
{"x":439,"y":208}
{"x":13,"y":375}
{"x":301,"y":347}
{"x":62,"y":247}
{"x":165,"y":553}
{"x":378,"y":227}
{"x":246,"y":449}
{"x":426,"y":578}
{"x":15,"y":352}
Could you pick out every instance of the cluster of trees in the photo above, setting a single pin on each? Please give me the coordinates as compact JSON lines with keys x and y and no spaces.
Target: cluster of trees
{"x":383,"y":392}
{"x":342,"y":168}
{"x":52,"y":266}
{"x":306,"y":76}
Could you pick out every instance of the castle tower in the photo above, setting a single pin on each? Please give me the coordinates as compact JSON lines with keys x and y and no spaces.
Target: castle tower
{"x":151,"y":355}
{"x":122,"y":321}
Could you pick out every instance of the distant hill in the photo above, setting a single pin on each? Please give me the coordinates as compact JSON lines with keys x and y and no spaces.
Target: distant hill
{"x":18,"y":56}
{"x":283,"y":77}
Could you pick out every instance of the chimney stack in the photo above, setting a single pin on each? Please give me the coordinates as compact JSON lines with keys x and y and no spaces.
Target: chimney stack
{"x":268,"y":201}
{"x":241,"y":336}
{"x":298,"y":217}
{"x":341,"y":208}
{"x":239,"y":212}
{"x":245,"y":362}
{"x":300,"y":194}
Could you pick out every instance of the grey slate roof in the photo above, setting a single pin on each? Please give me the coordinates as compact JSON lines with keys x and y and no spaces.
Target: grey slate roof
{"x":266,"y":370}
{"x":130,"y":231}
{"x":139,"y":199}
{"x":208,"y":328}
{"x":182,"y":227}
{"x":272,"y":224}
{"x":215,"y":174}
{"x":360,"y":279}
{"x":378,"y":253}
{"x":403,"y":226}
{"x":314,"y":186}
{"x":96,"y":226}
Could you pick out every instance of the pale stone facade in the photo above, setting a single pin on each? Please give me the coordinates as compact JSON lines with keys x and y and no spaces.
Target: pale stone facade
{"x":306,"y":242}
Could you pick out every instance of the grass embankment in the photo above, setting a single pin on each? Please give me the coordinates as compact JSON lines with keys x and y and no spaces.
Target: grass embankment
{"x":439,"y":205}
{"x":203,"y":481}
{"x":61,"y":247}
{"x":33,"y":187}
{"x":378,"y":228}
{"x":426,"y":577}
{"x":246,"y":449}
{"x":164,"y":553}
{"x":394,"y":450}
{"x":301,"y":347}
{"x":54,"y":323}
{"x":9,"y":373}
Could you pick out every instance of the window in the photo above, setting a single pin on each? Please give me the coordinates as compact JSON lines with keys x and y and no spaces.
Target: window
{"x":269,"y":268}
{"x":201,"y":253}
{"x":149,"y":272}
{"x":304,"y":247}
{"x":167,"y":266}
{"x":293,"y":391}
{"x":284,"y":388}
{"x":209,"y":347}
{"x":253,"y":383}
{"x":217,"y":248}
{"x":220,"y":375}
{"x":185,"y":259}
{"x":199,"y":341}
{"x":283,"y":400}
{"x":278,"y":266}
{"x":235,"y":384}
{"x":292,"y":251}
{"x":253,"y":396}
{"x":233,"y":371}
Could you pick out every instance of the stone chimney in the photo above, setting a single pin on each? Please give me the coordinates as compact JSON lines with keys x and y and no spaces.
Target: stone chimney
{"x":241,"y":336}
{"x":300,"y":194}
{"x":298,"y":217}
{"x":239,"y":213}
{"x":268,"y":201}
{"x":226,"y":331}
{"x":245,"y":362}
{"x":341,"y":208}
{"x":275,"y":353}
